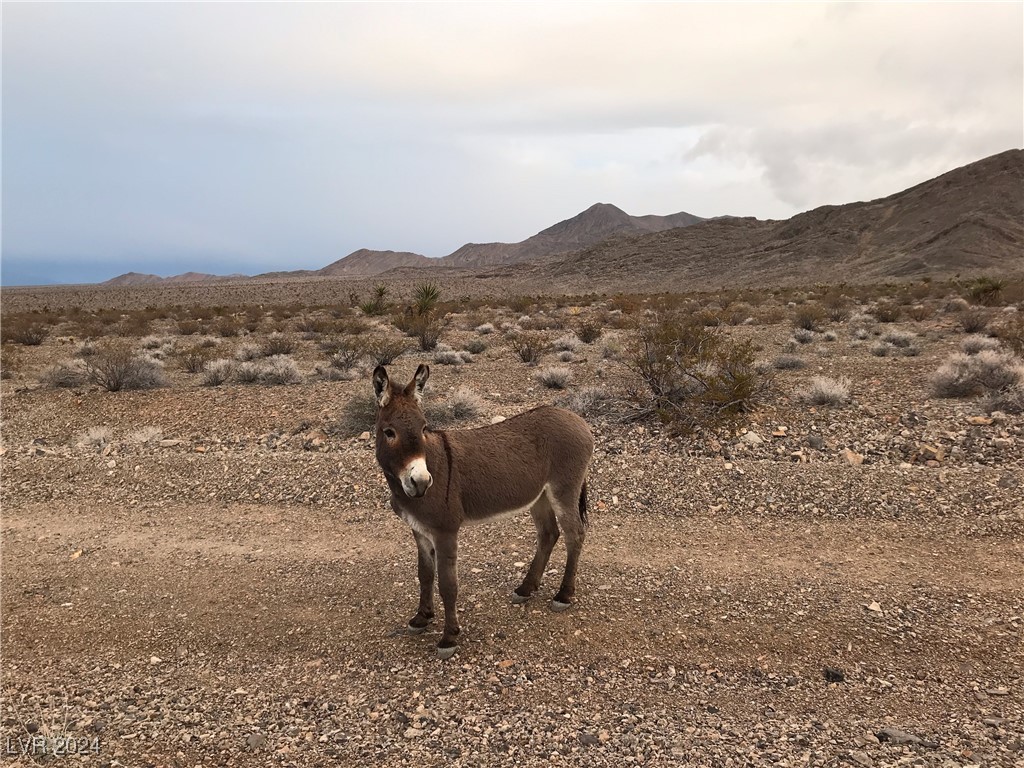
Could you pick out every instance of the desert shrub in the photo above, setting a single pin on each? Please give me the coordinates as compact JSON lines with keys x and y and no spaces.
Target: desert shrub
{"x":464,"y":404}
{"x":987,"y":372}
{"x":612,"y":348}
{"x":528,"y":346}
{"x":771,"y":315}
{"x":1009,"y":400}
{"x":710,"y":318}
{"x":861,"y":334}
{"x":279,"y":369}
{"x":475,"y":346}
{"x":10,"y":361}
{"x":485,"y":329}
{"x":343,"y":353}
{"x":85,"y":349}
{"x":216,"y":372}
{"x":910,"y":351}
{"x":882,"y":349}
{"x":385,"y":351}
{"x":116,"y":367}
{"x":586,"y":401}
{"x":837,"y":308}
{"x":972,"y":345}
{"x":887,"y":312}
{"x":96,"y":438}
{"x":1011,"y":332}
{"x":803,"y":336}
{"x":28,"y":333}
{"x":194,"y":359}
{"x":694,"y":374}
{"x":312,"y":327}
{"x":920,"y":312}
{"x":900,"y":339}
{"x":66,"y":375}
{"x":567,"y":343}
{"x":520,"y":304}
{"x":425,"y":297}
{"x":227,"y":327}
{"x":247,"y":373}
{"x":789,"y":363}
{"x":145,"y":435}
{"x":378,"y":303}
{"x":277,"y":344}
{"x":133,"y":325}
{"x":986,"y":290}
{"x":358,"y":414}
{"x":829,"y":336}
{"x":448,"y":357}
{"x":567,"y":357}
{"x":427,"y":331}
{"x":247,"y":352}
{"x":554,"y":377}
{"x":588,"y":332}
{"x":975,"y":320}
{"x":822,"y":390}
{"x":809,"y":317}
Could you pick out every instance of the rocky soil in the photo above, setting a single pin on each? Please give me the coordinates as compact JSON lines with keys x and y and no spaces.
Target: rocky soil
{"x":832,"y":585}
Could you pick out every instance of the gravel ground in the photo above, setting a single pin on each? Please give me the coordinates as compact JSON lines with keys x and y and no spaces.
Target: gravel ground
{"x":818,"y":590}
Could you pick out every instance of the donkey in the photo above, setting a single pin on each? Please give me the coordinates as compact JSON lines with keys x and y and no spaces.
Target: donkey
{"x":536,"y":461}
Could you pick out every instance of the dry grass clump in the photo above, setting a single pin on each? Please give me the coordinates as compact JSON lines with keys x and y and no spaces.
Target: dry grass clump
{"x":789,"y":363}
{"x":383,"y":351}
{"x":589,"y":332}
{"x":900,"y":339}
{"x":566,"y":357}
{"x":146,"y":435}
{"x":277,"y":344}
{"x":248,"y":352}
{"x":802,"y":336}
{"x":972,"y":345}
{"x":194,"y":359}
{"x":69,"y":374}
{"x":449,"y":356}
{"x":822,"y":390}
{"x":570,"y":342}
{"x":96,"y":438}
{"x":10,"y":361}
{"x":975,"y":320}
{"x":116,"y":367}
{"x":216,"y":372}
{"x":358,"y":414}
{"x":809,"y":317}
{"x":474,"y":346}
{"x":462,"y":405}
{"x":24,"y":331}
{"x":612,"y":348}
{"x":987,"y":372}
{"x":1010,"y":332}
{"x":278,"y":370}
{"x":554,"y":377}
{"x":588,"y":401}
{"x":529,"y":347}
{"x":887,"y":312}
{"x":485,"y":329}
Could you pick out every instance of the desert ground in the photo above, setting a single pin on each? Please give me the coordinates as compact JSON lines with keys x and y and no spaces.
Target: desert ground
{"x":208,"y":572}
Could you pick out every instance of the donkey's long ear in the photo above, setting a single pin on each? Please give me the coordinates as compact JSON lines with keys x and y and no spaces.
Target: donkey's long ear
{"x":381,"y":386}
{"x":419,"y":380}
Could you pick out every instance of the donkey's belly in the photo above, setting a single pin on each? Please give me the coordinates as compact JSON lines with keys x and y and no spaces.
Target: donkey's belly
{"x":486,"y":513}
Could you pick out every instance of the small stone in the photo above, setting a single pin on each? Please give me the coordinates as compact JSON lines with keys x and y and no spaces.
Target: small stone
{"x":364,"y":436}
{"x":862,"y":758}
{"x":993,"y":722}
{"x":981,"y":421}
{"x":834,"y":674}
{"x":154,"y":660}
{"x":413,"y":733}
{"x":896,"y":736}
{"x":169,"y":443}
{"x":256,"y":740}
{"x":497,"y":419}
{"x":997,"y":691}
{"x":751,"y":438}
{"x":589,"y":739}
{"x":874,"y":607}
{"x":852,"y":458}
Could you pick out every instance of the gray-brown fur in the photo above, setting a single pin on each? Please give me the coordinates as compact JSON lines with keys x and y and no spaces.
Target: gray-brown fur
{"x":537,"y":461}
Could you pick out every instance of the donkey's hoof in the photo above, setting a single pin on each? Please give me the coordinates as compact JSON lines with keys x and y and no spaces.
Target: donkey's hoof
{"x":518,"y":599}
{"x":412,"y":629}
{"x":446,"y":652}
{"x":558,"y":606}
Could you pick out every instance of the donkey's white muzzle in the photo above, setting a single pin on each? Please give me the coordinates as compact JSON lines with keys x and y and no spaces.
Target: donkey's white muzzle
{"x":415,"y":478}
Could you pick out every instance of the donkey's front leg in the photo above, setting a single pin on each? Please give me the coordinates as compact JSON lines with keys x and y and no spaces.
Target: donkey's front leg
{"x":425,"y":572}
{"x":446,"y":546}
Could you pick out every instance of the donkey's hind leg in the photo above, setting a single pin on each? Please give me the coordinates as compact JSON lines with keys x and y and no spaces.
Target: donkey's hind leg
{"x":547,"y":535}
{"x":570,"y":510}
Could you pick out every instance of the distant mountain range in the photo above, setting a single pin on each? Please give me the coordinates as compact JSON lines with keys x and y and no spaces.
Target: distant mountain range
{"x":597,"y":223}
{"x":970,"y":220}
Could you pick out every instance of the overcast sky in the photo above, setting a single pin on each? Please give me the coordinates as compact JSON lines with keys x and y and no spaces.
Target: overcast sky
{"x":248,"y":137}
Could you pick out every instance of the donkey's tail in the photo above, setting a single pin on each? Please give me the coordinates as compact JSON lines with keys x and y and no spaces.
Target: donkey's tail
{"x":583,"y":504}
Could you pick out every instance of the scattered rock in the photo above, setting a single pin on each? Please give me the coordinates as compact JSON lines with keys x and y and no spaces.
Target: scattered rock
{"x":256,"y":741}
{"x":834,"y":674}
{"x":497,"y":419}
{"x":852,"y":458}
{"x":896,"y":736}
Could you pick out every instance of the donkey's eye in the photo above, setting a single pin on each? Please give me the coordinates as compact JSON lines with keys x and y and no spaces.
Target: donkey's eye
{"x":390,"y":434}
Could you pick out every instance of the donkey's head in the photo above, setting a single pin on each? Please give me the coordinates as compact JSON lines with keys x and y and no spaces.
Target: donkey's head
{"x":401,"y":426}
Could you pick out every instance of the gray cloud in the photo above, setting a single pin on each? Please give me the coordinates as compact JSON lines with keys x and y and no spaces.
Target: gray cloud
{"x":256,"y":136}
